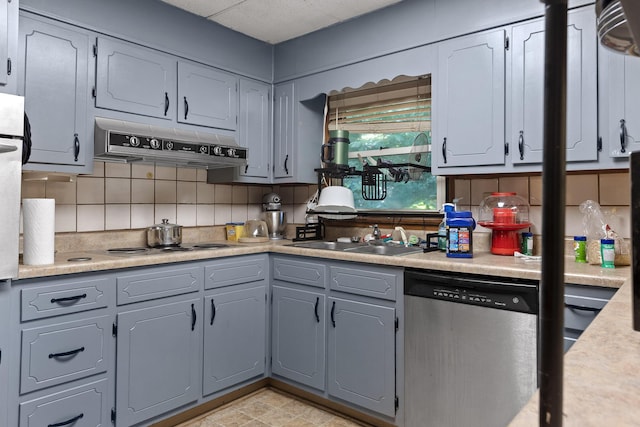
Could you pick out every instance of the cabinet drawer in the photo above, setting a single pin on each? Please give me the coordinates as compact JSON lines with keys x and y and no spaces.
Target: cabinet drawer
{"x":158,"y":282}
{"x":370,"y":281}
{"x":63,"y":352}
{"x":64,"y":296}
{"x":88,"y":405}
{"x":582,"y":305}
{"x":234,"y":271}
{"x":297,"y":271}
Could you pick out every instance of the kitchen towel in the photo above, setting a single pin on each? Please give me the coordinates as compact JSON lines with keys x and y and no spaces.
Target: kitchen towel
{"x":39,"y":219}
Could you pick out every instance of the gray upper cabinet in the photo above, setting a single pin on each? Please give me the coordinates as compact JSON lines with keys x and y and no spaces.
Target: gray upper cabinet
{"x":283,"y":132}
{"x":8,"y":44}
{"x":298,"y":335}
{"x":619,"y":87}
{"x":158,"y":362}
{"x":254,"y":130}
{"x":469,"y":101}
{"x":234,"y":336}
{"x":362,"y":355}
{"x":135,"y":79}
{"x":56,"y":97}
{"x":527,"y":89}
{"x":206,"y":96}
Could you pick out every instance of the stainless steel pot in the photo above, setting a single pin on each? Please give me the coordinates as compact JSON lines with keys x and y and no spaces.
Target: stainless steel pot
{"x":164,"y":234}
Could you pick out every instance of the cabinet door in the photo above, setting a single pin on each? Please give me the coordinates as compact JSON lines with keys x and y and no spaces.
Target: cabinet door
{"x":4,"y":41}
{"x":5,"y":339}
{"x":254,"y":131}
{"x":619,"y":102}
{"x":527,"y":86}
{"x":56,"y":97}
{"x":298,"y":336}
{"x":234,"y":337}
{"x":470,"y":87}
{"x":135,"y":80}
{"x":362,"y":354}
{"x":158,"y":360}
{"x":206,"y":96}
{"x":283,"y":133}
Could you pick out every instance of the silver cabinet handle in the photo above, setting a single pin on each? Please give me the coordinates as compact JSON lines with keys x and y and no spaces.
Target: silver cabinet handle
{"x":5,"y":148}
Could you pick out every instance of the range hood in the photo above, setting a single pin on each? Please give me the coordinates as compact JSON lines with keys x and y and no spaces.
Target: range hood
{"x":122,"y":141}
{"x":619,"y":25}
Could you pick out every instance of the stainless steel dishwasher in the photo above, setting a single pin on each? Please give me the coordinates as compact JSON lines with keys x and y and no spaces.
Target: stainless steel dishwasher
{"x":470,"y":348}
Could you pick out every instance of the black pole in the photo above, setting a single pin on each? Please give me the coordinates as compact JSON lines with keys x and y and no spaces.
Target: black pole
{"x":553,"y":214}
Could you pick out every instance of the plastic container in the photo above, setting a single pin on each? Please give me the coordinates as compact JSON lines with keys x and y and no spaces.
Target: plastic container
{"x":460,"y":226}
{"x":235,"y":230}
{"x":608,"y":253}
{"x":526,"y":248}
{"x":442,"y":228}
{"x":580,"y":248}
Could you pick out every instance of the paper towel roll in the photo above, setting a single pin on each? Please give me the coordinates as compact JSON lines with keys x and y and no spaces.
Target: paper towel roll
{"x":39,"y":220}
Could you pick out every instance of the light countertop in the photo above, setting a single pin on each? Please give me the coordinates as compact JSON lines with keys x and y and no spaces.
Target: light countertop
{"x":601,"y":370}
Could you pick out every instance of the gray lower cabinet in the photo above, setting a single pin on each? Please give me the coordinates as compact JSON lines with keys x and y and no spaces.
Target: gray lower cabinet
{"x":234,"y":336}
{"x":581,"y":306}
{"x":5,"y":346}
{"x":469,"y":93}
{"x":135,"y":79}
{"x":158,"y":359}
{"x":527,"y":89}
{"x":362,"y":352}
{"x":206,"y":96}
{"x":298,"y":338}
{"x":56,"y":97}
{"x":619,"y":101}
{"x":82,"y":406}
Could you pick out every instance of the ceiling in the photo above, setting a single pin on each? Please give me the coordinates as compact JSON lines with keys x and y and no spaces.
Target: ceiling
{"x":275,"y":21}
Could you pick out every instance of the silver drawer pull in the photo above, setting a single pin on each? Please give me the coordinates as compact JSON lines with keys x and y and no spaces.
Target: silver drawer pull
{"x":66,"y":353}
{"x":68,"y":422}
{"x":4,"y":148}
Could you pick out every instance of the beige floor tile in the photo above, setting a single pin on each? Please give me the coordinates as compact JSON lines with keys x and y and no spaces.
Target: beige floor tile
{"x":300,"y":422}
{"x":254,"y":408}
{"x":309,"y":412}
{"x":234,"y":419}
{"x":256,"y":423}
{"x":276,"y":417}
{"x":273,"y":398}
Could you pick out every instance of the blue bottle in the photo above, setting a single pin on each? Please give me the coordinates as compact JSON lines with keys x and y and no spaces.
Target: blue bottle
{"x":460,"y":226}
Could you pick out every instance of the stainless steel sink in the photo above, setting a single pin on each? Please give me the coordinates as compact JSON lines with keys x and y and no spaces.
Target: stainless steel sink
{"x":391,"y":250}
{"x":360,"y":248}
{"x":331,"y":246}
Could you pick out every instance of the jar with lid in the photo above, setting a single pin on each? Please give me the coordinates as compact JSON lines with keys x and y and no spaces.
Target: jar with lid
{"x":504,"y":213}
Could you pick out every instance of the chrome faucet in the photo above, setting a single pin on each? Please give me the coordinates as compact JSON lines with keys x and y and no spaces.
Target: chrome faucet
{"x":376,"y":233}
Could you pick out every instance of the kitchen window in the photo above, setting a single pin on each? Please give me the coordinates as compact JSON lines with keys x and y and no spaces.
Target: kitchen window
{"x":389,"y":123}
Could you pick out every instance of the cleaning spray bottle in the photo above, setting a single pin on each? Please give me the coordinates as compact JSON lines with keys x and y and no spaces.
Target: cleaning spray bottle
{"x":442,"y":228}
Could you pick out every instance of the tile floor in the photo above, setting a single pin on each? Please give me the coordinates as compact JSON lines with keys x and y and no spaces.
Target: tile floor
{"x":270,"y":408}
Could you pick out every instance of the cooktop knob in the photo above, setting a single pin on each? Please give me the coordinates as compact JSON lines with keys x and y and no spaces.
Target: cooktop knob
{"x":134,"y":141}
{"x":231,"y":152}
{"x":155,"y":144}
{"x":217,"y":151}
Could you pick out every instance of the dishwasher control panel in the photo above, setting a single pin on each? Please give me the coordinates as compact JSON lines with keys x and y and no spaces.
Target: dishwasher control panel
{"x":493,"y":292}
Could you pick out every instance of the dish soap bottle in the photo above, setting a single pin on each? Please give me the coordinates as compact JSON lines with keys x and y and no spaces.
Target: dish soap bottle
{"x":442,"y":228}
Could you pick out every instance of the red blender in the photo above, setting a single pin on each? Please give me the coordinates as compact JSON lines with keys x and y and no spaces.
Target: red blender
{"x":504,"y":214}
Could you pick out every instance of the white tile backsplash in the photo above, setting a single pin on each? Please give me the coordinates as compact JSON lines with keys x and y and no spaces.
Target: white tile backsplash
{"x":239,"y":213}
{"x":165,"y":191}
{"x":65,"y":218}
{"x":166,"y":172}
{"x":117,"y":190}
{"x":117,"y":217}
{"x":63,"y":192}
{"x":163,"y":211}
{"x":186,"y":174}
{"x":142,"y":191}
{"x":142,"y":215}
{"x":117,"y":170}
{"x":186,"y":192}
{"x":186,"y":215}
{"x":205,"y":193}
{"x":90,"y":218}
{"x":90,"y":190}
{"x":222,"y":213}
{"x":143,"y":171}
{"x":205,"y":215}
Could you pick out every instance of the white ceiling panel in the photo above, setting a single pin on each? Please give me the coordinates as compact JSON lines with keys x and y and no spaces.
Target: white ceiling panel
{"x":274,"y":21}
